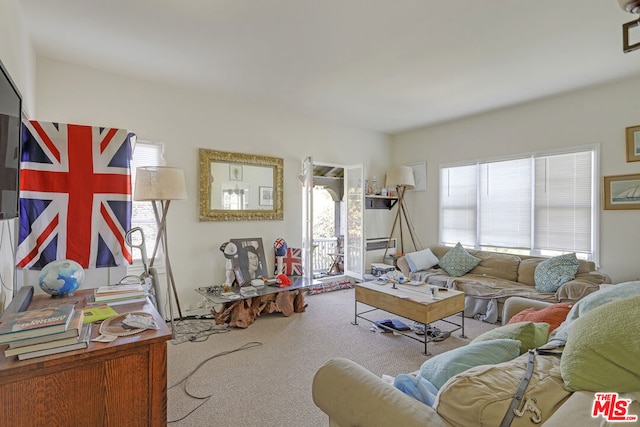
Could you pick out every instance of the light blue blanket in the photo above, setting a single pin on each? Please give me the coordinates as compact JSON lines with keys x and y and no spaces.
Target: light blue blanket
{"x":417,"y":387}
{"x":591,"y":301}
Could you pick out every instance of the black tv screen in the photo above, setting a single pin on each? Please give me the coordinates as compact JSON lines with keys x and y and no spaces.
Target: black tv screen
{"x":10,"y":126}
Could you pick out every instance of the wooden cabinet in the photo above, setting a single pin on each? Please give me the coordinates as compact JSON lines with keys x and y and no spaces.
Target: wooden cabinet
{"x":122,"y":383}
{"x":380,"y":202}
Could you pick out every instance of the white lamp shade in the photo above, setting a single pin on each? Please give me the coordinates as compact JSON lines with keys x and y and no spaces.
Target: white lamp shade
{"x":159,"y":183}
{"x":400,"y":176}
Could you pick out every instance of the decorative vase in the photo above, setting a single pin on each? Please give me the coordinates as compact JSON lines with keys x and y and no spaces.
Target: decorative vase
{"x":61,"y":277}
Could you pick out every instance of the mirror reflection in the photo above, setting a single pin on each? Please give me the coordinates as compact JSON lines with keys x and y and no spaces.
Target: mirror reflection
{"x":236,"y":186}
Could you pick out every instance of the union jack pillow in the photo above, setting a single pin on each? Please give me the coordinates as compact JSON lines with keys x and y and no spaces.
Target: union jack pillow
{"x":292,"y":262}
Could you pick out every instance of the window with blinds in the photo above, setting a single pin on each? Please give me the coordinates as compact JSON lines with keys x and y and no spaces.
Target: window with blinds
{"x":144,"y":154}
{"x":538,"y":204}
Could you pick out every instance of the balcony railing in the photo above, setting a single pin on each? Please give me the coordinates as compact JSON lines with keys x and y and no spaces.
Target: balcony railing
{"x":322,"y":247}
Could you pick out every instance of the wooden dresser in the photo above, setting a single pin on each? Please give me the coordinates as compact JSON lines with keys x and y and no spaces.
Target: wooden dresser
{"x":122,"y":383}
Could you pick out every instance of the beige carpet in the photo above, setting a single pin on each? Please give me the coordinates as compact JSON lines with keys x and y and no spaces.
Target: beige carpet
{"x":270,"y":384}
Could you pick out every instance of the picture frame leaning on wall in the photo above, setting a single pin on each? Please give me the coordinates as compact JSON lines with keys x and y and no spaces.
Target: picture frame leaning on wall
{"x":251,"y":258}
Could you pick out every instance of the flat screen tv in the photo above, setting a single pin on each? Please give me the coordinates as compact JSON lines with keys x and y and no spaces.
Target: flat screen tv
{"x":10,"y":126}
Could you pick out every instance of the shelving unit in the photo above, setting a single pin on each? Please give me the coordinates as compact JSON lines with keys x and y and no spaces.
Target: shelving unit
{"x":380,"y":202}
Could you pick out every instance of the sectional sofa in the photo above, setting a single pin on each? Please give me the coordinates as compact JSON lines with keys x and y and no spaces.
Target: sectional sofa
{"x":598,"y":342}
{"x":498,"y":276}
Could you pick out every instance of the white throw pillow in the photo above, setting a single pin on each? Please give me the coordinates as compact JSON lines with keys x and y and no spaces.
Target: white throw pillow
{"x":421,"y":260}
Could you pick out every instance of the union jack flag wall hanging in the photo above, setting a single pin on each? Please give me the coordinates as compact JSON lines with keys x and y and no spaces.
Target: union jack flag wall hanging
{"x":75,"y":195}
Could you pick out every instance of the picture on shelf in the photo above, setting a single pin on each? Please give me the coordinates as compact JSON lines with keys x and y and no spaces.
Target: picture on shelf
{"x":239,"y":277}
{"x":251,"y":259}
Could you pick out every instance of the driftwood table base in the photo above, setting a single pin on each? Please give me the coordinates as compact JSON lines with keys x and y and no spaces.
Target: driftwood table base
{"x":242,"y":313}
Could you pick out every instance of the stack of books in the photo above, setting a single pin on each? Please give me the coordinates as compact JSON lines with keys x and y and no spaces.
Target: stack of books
{"x":119,"y":294}
{"x":44,"y":331}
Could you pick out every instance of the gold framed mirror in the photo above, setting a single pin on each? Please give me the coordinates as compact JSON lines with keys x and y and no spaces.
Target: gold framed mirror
{"x":239,"y":187}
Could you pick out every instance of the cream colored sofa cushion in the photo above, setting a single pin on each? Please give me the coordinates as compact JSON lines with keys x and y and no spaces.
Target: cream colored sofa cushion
{"x":480,"y":396}
{"x":353,"y":396}
{"x":504,"y":266}
{"x":527,"y":269}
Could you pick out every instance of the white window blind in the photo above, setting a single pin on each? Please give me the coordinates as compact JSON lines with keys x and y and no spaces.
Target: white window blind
{"x":145,"y":154}
{"x":458,"y":204}
{"x":505,"y":204}
{"x":542,"y":204}
{"x":564,"y":202}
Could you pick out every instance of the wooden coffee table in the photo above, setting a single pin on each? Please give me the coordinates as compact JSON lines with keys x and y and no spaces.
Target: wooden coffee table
{"x":411,"y":302}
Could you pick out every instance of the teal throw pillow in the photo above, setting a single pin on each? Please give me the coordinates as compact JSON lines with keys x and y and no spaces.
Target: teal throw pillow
{"x":529,"y":334}
{"x":554,"y":272}
{"x":440,"y":368}
{"x":458,"y":262}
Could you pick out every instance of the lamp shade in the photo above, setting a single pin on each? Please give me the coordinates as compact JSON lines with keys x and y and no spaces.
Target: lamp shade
{"x":159,"y":183}
{"x":400,"y":176}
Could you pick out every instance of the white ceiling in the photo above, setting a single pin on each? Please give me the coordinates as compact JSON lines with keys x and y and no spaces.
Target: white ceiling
{"x":382,"y":65}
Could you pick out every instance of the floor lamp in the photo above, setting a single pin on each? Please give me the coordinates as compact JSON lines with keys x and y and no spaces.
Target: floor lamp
{"x":162,"y":184}
{"x":401,"y":177}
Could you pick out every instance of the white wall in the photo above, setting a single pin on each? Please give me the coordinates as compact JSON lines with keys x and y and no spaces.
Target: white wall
{"x":597,"y":115}
{"x":16,"y":52}
{"x":186,"y":120}
{"x":19,"y":60}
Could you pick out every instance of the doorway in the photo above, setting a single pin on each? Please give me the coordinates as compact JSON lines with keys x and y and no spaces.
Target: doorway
{"x":333,"y":203}
{"x":328,"y":221}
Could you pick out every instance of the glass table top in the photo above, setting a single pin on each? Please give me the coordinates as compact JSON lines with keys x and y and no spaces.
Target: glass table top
{"x":216,"y":295}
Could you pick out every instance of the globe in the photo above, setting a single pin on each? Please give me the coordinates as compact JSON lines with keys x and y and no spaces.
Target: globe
{"x":61,"y":277}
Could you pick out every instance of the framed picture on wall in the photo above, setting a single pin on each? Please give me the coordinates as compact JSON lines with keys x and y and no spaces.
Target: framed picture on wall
{"x":633,"y":144}
{"x":621,"y":191}
{"x":266,"y":196}
{"x":419,"y":175}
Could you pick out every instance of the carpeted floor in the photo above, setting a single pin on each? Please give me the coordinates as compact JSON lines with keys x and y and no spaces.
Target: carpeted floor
{"x":269,"y":384}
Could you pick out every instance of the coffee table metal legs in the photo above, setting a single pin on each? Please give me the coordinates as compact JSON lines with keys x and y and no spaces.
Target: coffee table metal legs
{"x":426,"y":339}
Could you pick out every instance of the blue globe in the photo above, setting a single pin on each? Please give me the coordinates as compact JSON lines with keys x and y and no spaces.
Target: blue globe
{"x":61,"y":277}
